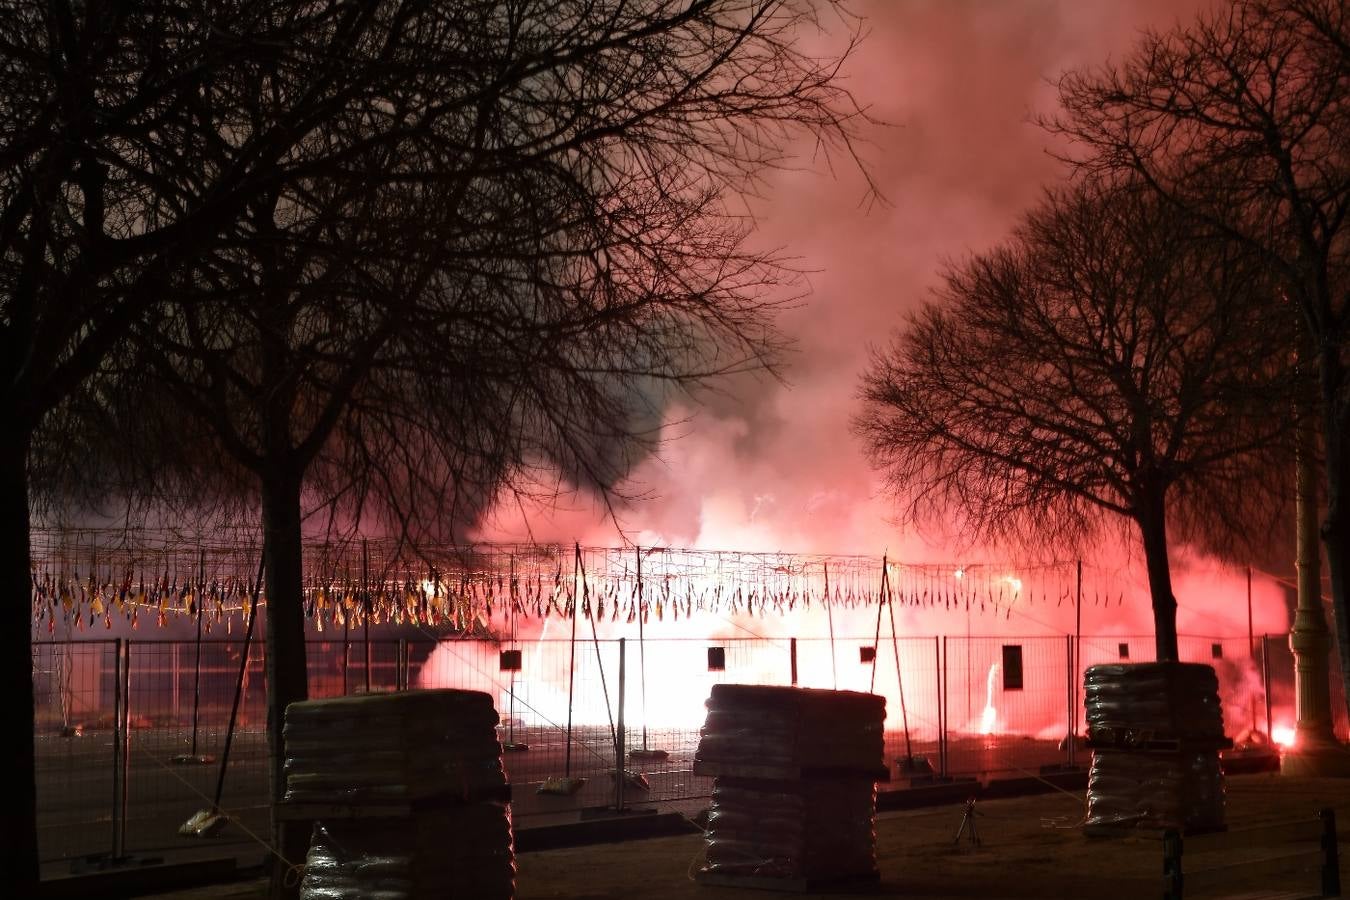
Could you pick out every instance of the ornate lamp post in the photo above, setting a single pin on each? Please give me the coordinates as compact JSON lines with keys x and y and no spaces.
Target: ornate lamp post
{"x":1316,"y":752}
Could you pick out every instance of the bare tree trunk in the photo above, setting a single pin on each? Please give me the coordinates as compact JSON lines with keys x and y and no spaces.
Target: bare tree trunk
{"x":18,"y":814}
{"x":1336,"y":526}
{"x":1152,"y":520}
{"x":285,"y":658}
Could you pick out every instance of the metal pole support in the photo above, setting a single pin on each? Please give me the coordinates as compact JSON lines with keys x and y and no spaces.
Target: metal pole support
{"x":620,"y":734}
{"x":402,"y":677}
{"x":1071,"y":685}
{"x":118,"y":701}
{"x":792,"y":654}
{"x":1265,"y":677}
{"x":938,"y":678}
{"x":946,"y":711}
{"x":121,"y":746}
{"x":1331,"y":859}
{"x":1173,"y":880}
{"x":197,"y":677}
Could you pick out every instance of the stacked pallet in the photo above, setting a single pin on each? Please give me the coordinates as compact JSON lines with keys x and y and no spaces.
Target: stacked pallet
{"x":1155,"y":730}
{"x":794,"y":790}
{"x":407,"y":794}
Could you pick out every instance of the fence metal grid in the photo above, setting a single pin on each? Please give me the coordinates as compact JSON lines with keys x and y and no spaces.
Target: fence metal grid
{"x":130,"y":734}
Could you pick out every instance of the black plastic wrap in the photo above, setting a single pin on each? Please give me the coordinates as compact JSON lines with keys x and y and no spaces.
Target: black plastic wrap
{"x":1181,"y":790}
{"x":794,"y":794}
{"x":792,"y":727}
{"x":1134,"y":702}
{"x":819,"y":828}
{"x":458,"y":852}
{"x":392,"y":747}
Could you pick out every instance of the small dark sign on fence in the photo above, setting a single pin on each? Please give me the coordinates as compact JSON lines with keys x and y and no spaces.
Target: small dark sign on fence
{"x":1012,"y":667}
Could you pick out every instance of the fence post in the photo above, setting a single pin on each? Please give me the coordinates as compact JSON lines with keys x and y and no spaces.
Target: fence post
{"x":1174,"y":881}
{"x":941,"y":713}
{"x":1069,"y":686}
{"x":118,"y":701}
{"x":620,"y":737}
{"x":946,"y":746}
{"x":366,"y":604}
{"x":122,"y":746}
{"x":176,"y":675}
{"x":1331,"y":861}
{"x":401,"y":678}
{"x":126,"y":739}
{"x":197,"y":590}
{"x":792,"y":655}
{"x":1265,"y":676}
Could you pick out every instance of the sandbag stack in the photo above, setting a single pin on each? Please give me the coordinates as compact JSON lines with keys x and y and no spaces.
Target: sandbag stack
{"x":1155,"y":730}
{"x":451,"y":852}
{"x":407,"y":793}
{"x":794,"y":790}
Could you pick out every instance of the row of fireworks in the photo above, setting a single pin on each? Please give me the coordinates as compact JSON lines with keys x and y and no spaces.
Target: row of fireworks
{"x":80,"y":582}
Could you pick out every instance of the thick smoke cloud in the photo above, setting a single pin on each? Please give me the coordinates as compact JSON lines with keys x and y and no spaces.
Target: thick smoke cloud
{"x":764,"y":465}
{"x":767,"y":465}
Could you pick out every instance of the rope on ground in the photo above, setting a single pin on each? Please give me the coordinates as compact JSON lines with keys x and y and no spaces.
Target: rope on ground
{"x":1047,"y":821}
{"x":294,"y":871}
{"x":698,"y":861}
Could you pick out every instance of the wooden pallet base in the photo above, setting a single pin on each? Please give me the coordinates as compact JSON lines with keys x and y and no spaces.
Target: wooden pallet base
{"x":305,"y":810}
{"x":723,"y":769}
{"x":1124,"y":739}
{"x":1132,"y":830}
{"x":787,"y":885}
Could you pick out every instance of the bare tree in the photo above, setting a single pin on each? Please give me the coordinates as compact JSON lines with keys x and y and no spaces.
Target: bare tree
{"x":143,"y":147}
{"x":1113,"y":360}
{"x":1242,"y":118}
{"x":120,"y":157}
{"x":503,"y":220}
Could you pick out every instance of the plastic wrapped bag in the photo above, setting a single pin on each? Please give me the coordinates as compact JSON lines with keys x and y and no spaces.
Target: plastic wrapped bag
{"x":791,"y":728}
{"x":385,"y":748}
{"x":817,"y":829}
{"x":1138,"y":702}
{"x":1181,"y":790}
{"x":455,"y":852}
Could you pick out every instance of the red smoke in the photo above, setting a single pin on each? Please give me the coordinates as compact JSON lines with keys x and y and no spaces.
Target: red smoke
{"x":768,"y":466}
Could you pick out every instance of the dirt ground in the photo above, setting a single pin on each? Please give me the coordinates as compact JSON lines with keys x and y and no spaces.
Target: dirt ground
{"x":1030,"y":847}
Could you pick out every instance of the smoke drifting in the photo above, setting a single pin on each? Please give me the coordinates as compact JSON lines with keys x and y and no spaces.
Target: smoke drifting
{"x":766,"y":465}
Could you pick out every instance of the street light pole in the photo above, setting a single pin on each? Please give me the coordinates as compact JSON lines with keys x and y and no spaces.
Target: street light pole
{"x":1316,"y":751}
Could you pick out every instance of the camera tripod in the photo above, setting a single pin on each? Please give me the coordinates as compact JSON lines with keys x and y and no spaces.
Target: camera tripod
{"x":968,"y":825}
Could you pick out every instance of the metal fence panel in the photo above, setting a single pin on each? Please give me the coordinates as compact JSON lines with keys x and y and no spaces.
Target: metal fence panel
{"x":983,"y":706}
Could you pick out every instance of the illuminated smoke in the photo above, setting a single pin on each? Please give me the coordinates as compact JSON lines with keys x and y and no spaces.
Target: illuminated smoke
{"x":764,"y":465}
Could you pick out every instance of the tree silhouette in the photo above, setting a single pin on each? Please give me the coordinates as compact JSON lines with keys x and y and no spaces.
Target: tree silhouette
{"x":1114,"y":359}
{"x":1241,"y":118}
{"x":119,"y":159}
{"x":309,"y":218}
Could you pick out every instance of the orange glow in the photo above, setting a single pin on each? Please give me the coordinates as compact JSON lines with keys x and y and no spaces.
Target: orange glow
{"x":1283,"y":735}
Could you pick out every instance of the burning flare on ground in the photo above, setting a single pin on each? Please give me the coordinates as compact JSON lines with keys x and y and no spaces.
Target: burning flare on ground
{"x":989,"y":718}
{"x":1283,"y":735}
